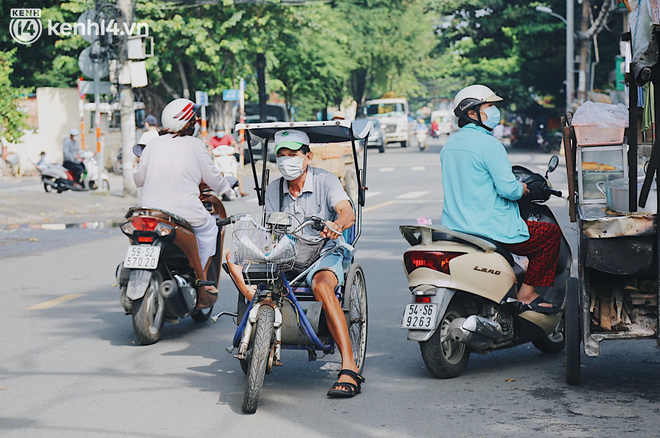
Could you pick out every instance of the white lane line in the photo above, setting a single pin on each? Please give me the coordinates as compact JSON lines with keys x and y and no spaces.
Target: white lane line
{"x":373,"y":194}
{"x":387,"y":169}
{"x":412,"y":195}
{"x":418,"y":168}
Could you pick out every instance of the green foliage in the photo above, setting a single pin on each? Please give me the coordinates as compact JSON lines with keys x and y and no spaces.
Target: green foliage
{"x":12,"y":118}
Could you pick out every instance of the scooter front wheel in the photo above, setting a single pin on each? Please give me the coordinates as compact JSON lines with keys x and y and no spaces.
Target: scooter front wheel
{"x":263,"y":341}
{"x":443,"y":356}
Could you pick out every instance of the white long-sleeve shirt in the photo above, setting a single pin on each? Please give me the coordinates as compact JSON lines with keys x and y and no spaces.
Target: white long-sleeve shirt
{"x":170,"y":171}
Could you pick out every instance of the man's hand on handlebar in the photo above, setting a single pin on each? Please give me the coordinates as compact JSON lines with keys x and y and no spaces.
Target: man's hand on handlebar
{"x":331,"y":230}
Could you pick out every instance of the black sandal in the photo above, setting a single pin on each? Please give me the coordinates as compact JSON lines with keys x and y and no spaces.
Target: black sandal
{"x":337,"y":391}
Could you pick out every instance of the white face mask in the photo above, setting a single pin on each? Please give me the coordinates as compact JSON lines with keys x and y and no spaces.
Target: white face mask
{"x":196,"y":131}
{"x":220,"y":134}
{"x":290,"y":167}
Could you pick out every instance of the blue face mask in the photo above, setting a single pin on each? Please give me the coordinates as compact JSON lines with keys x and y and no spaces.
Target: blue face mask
{"x":494,"y":117}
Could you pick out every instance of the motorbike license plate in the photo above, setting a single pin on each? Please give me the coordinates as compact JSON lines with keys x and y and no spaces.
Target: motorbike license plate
{"x":420,"y":316}
{"x":142,"y":257}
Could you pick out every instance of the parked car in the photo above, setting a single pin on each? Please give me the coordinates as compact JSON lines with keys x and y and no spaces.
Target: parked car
{"x":376,"y":136}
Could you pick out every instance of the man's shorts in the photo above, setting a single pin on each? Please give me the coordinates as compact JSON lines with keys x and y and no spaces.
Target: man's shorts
{"x":333,"y":263}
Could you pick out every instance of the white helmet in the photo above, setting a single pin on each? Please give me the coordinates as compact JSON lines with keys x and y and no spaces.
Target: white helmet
{"x":177,"y":114}
{"x":74,"y":132}
{"x":472,"y":96}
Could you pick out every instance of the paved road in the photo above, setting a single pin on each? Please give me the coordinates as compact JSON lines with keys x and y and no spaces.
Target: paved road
{"x":71,"y":367}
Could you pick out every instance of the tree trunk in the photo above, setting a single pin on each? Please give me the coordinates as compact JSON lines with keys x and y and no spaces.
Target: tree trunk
{"x":185,"y":90}
{"x":222,"y":114}
{"x":584,"y":53}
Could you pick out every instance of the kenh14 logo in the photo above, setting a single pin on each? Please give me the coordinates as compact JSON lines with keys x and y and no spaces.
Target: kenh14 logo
{"x":25,"y":25}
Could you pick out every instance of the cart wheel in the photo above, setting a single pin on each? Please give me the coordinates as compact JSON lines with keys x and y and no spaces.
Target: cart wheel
{"x":356,"y":313}
{"x":572,"y":331}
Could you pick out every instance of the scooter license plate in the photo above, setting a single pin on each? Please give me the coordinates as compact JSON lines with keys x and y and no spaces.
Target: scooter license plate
{"x":142,"y":257}
{"x":420,"y":316}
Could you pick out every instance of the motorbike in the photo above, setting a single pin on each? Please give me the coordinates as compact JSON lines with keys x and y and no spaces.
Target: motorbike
{"x":421,"y":136}
{"x":162,"y":278}
{"x":90,"y":177}
{"x":57,"y":177}
{"x":464,"y":289}
{"x":227,"y":164}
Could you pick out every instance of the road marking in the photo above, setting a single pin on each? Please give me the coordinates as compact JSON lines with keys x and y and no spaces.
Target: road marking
{"x":387,"y":169}
{"x":55,"y":302}
{"x":382,"y":204}
{"x":418,"y":168}
{"x":412,"y":195}
{"x":373,"y":194}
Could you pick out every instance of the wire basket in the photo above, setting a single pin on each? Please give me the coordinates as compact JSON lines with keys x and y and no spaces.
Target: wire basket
{"x":256,"y":244}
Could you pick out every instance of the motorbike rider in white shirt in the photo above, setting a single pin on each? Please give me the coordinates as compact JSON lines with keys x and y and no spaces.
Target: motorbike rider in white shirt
{"x":172,"y":168}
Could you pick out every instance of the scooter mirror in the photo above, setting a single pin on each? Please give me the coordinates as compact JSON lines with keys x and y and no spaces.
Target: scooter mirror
{"x":553,"y":163}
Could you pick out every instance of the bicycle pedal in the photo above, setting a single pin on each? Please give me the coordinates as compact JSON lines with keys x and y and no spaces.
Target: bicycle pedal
{"x":240,"y":356}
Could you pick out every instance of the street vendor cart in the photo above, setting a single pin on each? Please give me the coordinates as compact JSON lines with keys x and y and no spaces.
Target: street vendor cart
{"x":613,"y":199}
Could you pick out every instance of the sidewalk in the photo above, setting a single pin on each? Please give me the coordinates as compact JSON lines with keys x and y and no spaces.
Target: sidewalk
{"x":23,"y":200}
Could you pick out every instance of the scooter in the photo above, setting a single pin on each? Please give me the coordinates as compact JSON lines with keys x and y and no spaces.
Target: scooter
{"x":422,"y":140}
{"x":162,"y":278}
{"x":464,"y":289}
{"x":91,"y":175}
{"x":227,"y":164}
{"x":57,"y":177}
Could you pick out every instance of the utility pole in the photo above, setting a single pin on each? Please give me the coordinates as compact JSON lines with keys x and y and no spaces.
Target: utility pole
{"x":570,"y":54}
{"x":584,"y":53}
{"x":127,"y":111}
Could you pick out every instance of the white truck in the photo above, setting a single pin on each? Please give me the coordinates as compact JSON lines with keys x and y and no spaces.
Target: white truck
{"x":393,"y":116}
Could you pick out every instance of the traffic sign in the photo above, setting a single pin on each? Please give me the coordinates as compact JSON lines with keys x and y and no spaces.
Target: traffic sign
{"x":229,"y":95}
{"x":201,"y":98}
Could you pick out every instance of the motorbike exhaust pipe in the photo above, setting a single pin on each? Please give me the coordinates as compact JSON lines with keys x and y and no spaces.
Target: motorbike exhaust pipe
{"x":180,"y":299}
{"x":475,"y":331}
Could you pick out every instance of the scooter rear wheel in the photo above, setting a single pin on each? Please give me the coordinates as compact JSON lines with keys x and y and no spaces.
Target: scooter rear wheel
{"x":263,"y":341}
{"x":149,"y":313}
{"x":443,"y":356}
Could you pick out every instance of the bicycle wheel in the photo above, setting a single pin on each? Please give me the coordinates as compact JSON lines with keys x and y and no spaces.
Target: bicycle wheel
{"x":263,"y":341}
{"x":356,"y":317}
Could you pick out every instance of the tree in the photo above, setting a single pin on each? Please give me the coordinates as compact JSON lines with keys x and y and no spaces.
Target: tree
{"x":390,"y":41}
{"x":12,"y":118}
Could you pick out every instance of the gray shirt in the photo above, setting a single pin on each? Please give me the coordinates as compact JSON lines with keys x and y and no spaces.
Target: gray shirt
{"x":321,"y":192}
{"x":70,"y":150}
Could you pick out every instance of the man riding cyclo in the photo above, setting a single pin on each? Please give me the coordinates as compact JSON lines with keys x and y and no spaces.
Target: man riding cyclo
{"x":305,"y":191}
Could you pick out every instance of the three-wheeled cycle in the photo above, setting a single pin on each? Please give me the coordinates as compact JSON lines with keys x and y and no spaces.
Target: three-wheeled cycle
{"x":283,"y":313}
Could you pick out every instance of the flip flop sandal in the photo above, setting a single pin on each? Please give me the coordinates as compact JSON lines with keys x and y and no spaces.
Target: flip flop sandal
{"x":338,"y":389}
{"x":535,"y":306}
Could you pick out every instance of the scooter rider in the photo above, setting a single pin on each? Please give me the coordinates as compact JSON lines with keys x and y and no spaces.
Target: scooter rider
{"x":71,"y":154}
{"x":170,"y":172}
{"x":480,"y":194}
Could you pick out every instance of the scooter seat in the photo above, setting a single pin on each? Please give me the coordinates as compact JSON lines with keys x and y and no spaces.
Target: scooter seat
{"x":499,"y":248}
{"x":162,"y":214}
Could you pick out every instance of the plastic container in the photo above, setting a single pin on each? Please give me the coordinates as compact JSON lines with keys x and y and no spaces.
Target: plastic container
{"x":596,"y":135}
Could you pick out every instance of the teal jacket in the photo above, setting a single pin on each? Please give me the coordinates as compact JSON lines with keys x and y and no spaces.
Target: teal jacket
{"x":480,"y":190}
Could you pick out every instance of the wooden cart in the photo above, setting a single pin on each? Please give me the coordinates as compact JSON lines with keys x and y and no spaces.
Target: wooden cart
{"x":616,"y":294}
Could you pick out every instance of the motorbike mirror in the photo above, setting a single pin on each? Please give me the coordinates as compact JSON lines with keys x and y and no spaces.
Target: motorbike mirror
{"x":137,"y":150}
{"x":552,"y":164}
